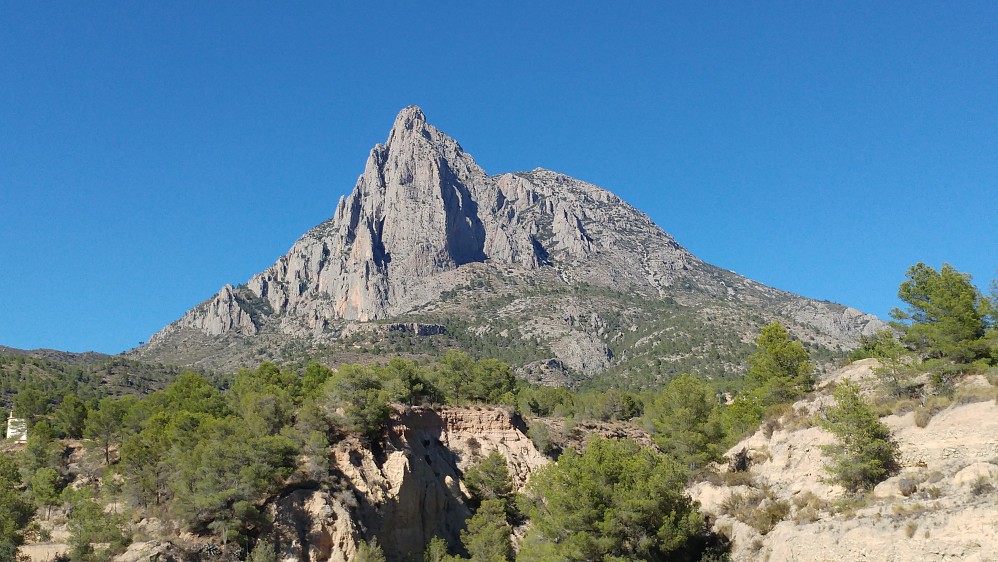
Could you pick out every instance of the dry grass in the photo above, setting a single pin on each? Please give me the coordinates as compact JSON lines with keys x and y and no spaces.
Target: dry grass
{"x":910,"y":528}
{"x":974,"y":394}
{"x":933,"y":406}
{"x":847,"y":507}
{"x":730,"y":479}
{"x":808,"y":507}
{"x":756,"y":508}
{"x":902,"y":407}
{"x":981,"y":485}
{"x":800,"y":418}
{"x":908,"y":509}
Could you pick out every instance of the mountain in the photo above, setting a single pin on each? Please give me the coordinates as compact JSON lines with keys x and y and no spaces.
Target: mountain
{"x":557,"y":276}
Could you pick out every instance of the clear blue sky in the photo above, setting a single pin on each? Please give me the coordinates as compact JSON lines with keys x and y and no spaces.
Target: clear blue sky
{"x":152,"y":152}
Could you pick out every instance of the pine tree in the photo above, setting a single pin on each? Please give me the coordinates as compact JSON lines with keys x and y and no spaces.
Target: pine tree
{"x":781,"y":370}
{"x":945,"y":316}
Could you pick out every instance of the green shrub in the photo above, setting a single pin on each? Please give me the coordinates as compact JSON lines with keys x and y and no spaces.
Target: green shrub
{"x":864,"y":453}
{"x":540,"y":435}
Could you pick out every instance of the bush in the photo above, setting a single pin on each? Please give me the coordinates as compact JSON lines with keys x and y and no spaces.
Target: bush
{"x":540,"y":435}
{"x":981,"y":485}
{"x":808,"y":507}
{"x":902,"y":407}
{"x":932,"y":406}
{"x":865,"y":453}
{"x":368,"y":552}
{"x":922,"y":417}
{"x":758,"y":509}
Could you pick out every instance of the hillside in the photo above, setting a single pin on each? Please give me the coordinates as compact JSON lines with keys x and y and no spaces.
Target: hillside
{"x":53,"y":374}
{"x":413,"y":483}
{"x":559,"y":277}
{"x":940,"y":506}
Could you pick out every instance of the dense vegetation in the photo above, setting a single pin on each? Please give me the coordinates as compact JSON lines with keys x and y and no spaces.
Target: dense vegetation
{"x":206,"y":451}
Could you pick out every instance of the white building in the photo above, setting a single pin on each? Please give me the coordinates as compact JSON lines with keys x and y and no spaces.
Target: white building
{"x":17,"y":428}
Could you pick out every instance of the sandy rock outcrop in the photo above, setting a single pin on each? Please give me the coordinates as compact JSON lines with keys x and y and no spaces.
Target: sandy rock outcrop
{"x":405,"y":491}
{"x":940,"y":506}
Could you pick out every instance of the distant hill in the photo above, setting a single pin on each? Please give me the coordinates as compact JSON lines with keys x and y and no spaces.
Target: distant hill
{"x":55,"y":355}
{"x":559,"y":277}
{"x":87,"y":375}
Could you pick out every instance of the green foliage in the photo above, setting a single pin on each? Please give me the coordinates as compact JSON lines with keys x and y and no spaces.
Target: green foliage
{"x":262,"y":552}
{"x":41,"y":451}
{"x":265,"y":398}
{"x":545,"y":400}
{"x":359,"y":391}
{"x":208,"y":465}
{"x":739,"y":418}
{"x":315,"y":375}
{"x":615,"y":500}
{"x":228,"y":467}
{"x":368,"y":552}
{"x":407,"y":383}
{"x":864,"y":453}
{"x":436,"y":551}
{"x":758,"y":509}
{"x":31,"y":404}
{"x":104,"y":425}
{"x":540,"y":435}
{"x":489,"y":479}
{"x":491,"y":382}
{"x":89,"y":524}
{"x":87,"y":378}
{"x":487,"y":535}
{"x":895,"y":364}
{"x":686,"y":422}
{"x":945,"y":314}
{"x":46,"y":486}
{"x":781,"y":370}
{"x":15,"y":510}
{"x":71,"y":417}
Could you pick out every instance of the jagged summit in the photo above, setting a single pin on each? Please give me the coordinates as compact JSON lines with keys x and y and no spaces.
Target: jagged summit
{"x":409,"y":118}
{"x":423,"y":209}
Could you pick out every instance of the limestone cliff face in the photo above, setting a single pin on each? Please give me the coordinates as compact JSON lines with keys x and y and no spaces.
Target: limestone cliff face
{"x":423,"y":209}
{"x":220,"y":314}
{"x":405,"y":494}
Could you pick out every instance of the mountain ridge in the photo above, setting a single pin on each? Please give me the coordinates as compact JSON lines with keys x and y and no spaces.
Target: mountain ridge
{"x":423,"y":214}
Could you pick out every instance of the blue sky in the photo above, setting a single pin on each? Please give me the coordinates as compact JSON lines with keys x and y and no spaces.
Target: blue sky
{"x":152,"y":152}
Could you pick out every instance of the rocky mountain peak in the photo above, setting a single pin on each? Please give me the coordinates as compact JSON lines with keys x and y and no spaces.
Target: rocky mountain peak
{"x":410,"y":118}
{"x":422,"y":209}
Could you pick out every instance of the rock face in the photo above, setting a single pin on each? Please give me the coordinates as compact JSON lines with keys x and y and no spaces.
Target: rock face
{"x":423,"y":211}
{"x":405,"y":494}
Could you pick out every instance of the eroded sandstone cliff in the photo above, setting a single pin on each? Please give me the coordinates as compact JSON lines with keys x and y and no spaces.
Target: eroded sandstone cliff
{"x":404,"y":493}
